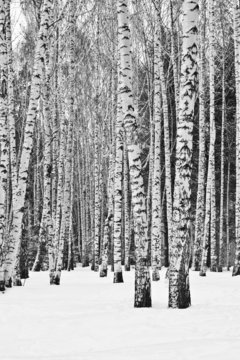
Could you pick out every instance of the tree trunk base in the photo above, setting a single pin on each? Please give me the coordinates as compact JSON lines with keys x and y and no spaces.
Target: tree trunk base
{"x":127,"y":267}
{"x":202,"y":273}
{"x":219,"y":268}
{"x":51,"y":278}
{"x":103,"y":273}
{"x":8,"y":283}
{"x":155,"y":275}
{"x":213,"y":268}
{"x":118,"y":277}
{"x":36,"y":268}
{"x":96,"y":268}
{"x":56,"y":280}
{"x":142,"y":286}
{"x":236,"y":270}
{"x":179,"y":291}
{"x":17,"y":282}
{"x":2,"y":286}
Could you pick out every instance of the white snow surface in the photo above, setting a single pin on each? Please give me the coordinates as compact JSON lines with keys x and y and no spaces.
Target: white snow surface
{"x":89,"y":318}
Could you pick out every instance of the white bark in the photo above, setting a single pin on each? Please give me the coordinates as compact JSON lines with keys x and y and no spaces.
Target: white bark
{"x":19,"y":194}
{"x":156,"y":238}
{"x":142,"y":276}
{"x":179,"y":291}
{"x":199,"y":221}
{"x":236,"y":269}
{"x":4,"y":143}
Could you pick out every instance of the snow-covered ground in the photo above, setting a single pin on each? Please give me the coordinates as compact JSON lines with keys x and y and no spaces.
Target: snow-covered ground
{"x":90,"y":318}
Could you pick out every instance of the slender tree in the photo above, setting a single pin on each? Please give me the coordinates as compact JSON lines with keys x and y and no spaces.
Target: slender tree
{"x":142,"y":275}
{"x":179,"y":290}
{"x":236,"y":269}
{"x":19,"y":193}
{"x":156,"y":183}
{"x":199,"y":221}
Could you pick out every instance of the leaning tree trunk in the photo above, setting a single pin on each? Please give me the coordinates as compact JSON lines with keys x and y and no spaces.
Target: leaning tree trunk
{"x":11,"y":118}
{"x":142,"y":274}
{"x":19,"y":193}
{"x":179,"y":290}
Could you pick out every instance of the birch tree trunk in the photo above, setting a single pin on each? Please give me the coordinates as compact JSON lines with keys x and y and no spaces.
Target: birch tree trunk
{"x":174,"y":62}
{"x":127,"y":229}
{"x":142,"y":275}
{"x":167,"y":150}
{"x":11,"y":118}
{"x":108,"y":221}
{"x":70,"y":234}
{"x":4,"y":143}
{"x":97,"y":199}
{"x":199,"y":221}
{"x":47,"y":220}
{"x":227,"y":217}
{"x":66,"y":197}
{"x":118,"y":181}
{"x":221,"y":235}
{"x":19,"y":194}
{"x":179,"y":290}
{"x":212,"y":169}
{"x":156,"y":182}
{"x":236,"y":268}
{"x":205,"y":244}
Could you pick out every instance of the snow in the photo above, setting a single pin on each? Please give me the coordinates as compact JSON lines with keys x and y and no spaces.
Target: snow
{"x":88,"y":318}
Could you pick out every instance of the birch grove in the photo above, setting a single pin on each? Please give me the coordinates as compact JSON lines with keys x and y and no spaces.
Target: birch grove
{"x":119,"y":141}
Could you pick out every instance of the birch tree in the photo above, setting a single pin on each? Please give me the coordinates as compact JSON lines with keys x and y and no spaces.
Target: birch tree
{"x":4,"y":143}
{"x":156,"y":182}
{"x":221,"y":235}
{"x":179,"y":289}
{"x":142,"y":275}
{"x":199,"y":221}
{"x":118,"y":177}
{"x":19,"y":194}
{"x":236,"y":269}
{"x":65,"y":202}
{"x":212,"y":169}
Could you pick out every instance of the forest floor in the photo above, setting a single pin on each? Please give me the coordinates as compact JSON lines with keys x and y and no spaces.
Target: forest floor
{"x":89,"y":318}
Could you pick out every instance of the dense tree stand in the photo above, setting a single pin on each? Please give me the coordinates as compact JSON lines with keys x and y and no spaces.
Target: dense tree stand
{"x":112,"y":149}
